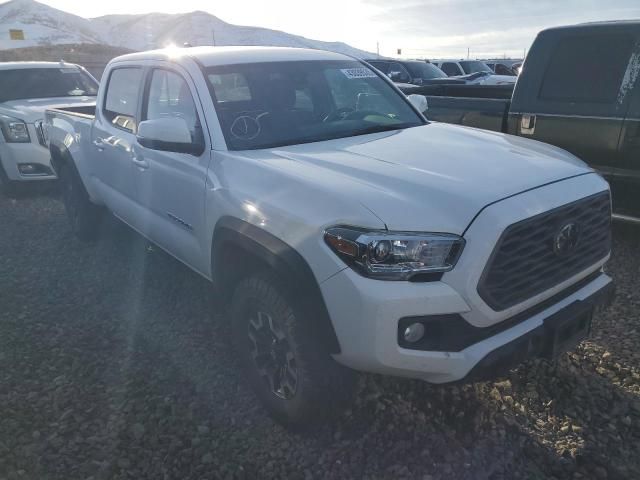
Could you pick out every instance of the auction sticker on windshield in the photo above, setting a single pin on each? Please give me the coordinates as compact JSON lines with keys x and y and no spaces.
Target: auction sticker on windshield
{"x":358,"y":73}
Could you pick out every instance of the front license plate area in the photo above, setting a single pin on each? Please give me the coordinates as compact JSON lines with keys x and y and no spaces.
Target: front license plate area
{"x":566,"y":332}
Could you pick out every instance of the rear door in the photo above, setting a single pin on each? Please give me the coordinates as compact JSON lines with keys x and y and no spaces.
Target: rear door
{"x":113,"y":135}
{"x":171,"y":185}
{"x":570,"y":95}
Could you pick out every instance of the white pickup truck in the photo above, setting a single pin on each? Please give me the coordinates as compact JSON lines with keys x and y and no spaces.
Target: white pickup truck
{"x":340,"y":226}
{"x":27,"y":89}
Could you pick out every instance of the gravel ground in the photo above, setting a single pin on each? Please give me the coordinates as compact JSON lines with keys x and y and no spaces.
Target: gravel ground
{"x":115,"y":366}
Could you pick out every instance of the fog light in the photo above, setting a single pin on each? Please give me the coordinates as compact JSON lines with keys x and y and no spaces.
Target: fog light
{"x":27,"y":168}
{"x":414,"y":332}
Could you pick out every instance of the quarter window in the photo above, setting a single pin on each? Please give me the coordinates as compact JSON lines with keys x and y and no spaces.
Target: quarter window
{"x":587,"y":69}
{"x":121,"y":101}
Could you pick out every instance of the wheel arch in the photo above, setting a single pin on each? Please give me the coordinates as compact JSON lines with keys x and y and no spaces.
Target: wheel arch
{"x":238,"y":248}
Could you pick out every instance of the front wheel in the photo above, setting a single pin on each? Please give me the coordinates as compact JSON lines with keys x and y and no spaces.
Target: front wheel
{"x":291,"y":373}
{"x":84,"y":216}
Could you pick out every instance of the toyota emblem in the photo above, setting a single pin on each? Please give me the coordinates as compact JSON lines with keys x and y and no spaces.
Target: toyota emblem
{"x":566,"y":239}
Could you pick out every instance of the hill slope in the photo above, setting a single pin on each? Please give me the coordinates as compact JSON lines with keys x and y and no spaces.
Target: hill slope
{"x":44,"y":25}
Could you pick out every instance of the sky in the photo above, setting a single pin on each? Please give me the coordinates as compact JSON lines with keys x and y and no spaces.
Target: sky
{"x":420,"y":28}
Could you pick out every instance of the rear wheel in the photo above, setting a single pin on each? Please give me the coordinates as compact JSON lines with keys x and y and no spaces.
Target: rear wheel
{"x":295,"y":378}
{"x":84,"y":216}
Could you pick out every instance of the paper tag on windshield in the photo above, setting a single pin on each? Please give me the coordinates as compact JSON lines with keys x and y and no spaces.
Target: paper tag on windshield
{"x":358,"y":73}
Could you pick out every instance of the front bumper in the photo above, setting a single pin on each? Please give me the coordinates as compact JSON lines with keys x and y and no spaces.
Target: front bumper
{"x":15,"y":155}
{"x":367,"y":328}
{"x":367,"y":314}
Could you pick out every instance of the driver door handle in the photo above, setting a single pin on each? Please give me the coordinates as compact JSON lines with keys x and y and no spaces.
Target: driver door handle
{"x":99,"y":144}
{"x":140,"y":162}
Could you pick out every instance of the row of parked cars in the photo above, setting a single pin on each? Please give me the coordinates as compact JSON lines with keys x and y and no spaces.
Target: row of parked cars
{"x":452,"y":72}
{"x":339,"y":227}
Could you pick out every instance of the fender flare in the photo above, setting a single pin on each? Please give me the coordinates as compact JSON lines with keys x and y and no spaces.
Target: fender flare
{"x":280,"y":257}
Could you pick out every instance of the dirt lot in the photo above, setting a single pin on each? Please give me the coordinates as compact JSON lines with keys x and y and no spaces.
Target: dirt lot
{"x":113,"y":365}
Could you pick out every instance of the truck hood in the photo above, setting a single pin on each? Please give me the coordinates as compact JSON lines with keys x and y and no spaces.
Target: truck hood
{"x":435,"y":177}
{"x":32,"y":110}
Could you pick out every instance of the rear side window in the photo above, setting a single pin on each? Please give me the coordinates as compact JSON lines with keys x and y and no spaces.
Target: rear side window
{"x":121,"y":101}
{"x":587,"y":69}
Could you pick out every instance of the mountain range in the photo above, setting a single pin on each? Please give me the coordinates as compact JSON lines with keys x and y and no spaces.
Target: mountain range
{"x":41,"y":24}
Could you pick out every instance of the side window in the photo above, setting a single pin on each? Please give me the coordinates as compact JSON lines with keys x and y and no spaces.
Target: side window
{"x":170,"y":96}
{"x":502,"y":69}
{"x":121,"y":101}
{"x":450,"y":68}
{"x":587,"y":69}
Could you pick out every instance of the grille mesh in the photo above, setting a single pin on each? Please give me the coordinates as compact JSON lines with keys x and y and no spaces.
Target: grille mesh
{"x":524,"y":264}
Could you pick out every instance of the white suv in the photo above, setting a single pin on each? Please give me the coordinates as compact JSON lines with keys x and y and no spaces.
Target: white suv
{"x":27,"y":89}
{"x":339,"y":225}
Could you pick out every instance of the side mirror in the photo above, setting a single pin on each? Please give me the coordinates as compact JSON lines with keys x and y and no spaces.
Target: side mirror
{"x":170,"y":134}
{"x":418,"y":101}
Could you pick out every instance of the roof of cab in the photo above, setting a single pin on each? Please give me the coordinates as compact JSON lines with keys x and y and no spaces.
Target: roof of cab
{"x":213,"y":56}
{"x":599,"y":24}
{"x":22,"y":65}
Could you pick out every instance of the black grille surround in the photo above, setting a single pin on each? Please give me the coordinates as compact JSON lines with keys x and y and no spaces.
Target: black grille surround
{"x":524,"y":264}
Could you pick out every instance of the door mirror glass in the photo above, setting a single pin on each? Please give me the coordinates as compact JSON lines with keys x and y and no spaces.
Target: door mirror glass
{"x":170,"y":134}
{"x":419,"y":101}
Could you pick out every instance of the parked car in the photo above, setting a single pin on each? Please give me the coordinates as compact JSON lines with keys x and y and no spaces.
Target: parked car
{"x":414,"y":72}
{"x":504,"y":67}
{"x":580,"y":91}
{"x":26,"y":90}
{"x":479,"y":70}
{"x":339,"y":225}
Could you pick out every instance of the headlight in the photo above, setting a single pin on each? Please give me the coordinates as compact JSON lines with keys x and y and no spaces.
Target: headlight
{"x":14,"y":130}
{"x":394,"y":255}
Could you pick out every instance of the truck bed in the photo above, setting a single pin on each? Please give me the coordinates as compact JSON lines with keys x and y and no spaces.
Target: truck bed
{"x":485,"y":113}
{"x":480,"y":106}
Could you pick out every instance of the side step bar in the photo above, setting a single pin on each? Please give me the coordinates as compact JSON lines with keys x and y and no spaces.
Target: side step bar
{"x":626,"y":218}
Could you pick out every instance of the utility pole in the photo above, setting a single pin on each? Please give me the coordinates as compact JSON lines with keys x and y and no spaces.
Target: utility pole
{"x":378,"y":49}
{"x":468,"y":52}
{"x":213,"y":37}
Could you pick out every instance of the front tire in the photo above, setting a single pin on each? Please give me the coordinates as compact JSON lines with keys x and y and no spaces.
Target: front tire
{"x":84,"y":216}
{"x":292,"y":374}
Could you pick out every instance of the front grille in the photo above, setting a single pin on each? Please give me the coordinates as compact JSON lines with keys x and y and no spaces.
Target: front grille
{"x":524,"y":262}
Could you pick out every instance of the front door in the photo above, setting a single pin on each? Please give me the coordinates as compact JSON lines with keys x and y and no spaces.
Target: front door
{"x":113,"y":137}
{"x":170,"y":185}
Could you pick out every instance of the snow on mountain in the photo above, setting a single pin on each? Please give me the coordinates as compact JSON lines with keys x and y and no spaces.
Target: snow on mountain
{"x":44,"y":25}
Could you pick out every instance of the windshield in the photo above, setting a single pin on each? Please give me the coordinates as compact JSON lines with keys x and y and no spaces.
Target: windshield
{"x":474,"y":66}
{"x":25,"y":83}
{"x":424,"y":70}
{"x":262,"y":105}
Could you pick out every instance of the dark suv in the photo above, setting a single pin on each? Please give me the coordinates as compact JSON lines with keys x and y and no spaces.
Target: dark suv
{"x":416,"y":72}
